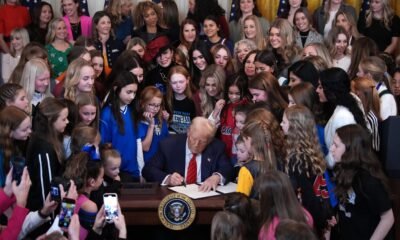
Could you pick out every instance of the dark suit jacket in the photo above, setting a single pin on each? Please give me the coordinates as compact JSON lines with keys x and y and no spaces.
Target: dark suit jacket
{"x":142,"y":33}
{"x":170,"y":158}
{"x":319,"y":16}
{"x":114,"y":48}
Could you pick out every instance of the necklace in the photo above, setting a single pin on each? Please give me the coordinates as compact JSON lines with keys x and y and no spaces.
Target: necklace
{"x":337,"y":61}
{"x":163,"y":77}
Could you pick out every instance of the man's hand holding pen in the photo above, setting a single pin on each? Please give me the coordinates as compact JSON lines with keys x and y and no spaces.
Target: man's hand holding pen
{"x":176,"y":179}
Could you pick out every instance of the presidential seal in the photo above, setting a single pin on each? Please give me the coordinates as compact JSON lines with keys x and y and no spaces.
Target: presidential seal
{"x":176,"y":211}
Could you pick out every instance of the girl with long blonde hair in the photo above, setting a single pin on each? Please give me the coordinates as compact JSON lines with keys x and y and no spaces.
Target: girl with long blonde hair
{"x":282,"y":41}
{"x":79,"y":78}
{"x":252,"y":30}
{"x":19,"y":39}
{"x":36,"y":82}
{"x":57,"y":46}
{"x":31,"y":50}
{"x":348,"y":22}
{"x":382,"y":25}
{"x":211,"y":93}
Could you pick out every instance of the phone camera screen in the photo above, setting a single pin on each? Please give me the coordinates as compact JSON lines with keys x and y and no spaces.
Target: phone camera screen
{"x":111,"y":206}
{"x":55,"y":192}
{"x":67,"y":210}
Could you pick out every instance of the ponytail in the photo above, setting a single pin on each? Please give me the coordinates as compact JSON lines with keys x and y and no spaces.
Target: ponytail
{"x":81,"y":168}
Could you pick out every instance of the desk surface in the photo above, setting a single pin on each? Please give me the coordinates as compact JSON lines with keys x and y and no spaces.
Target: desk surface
{"x":142,"y":209}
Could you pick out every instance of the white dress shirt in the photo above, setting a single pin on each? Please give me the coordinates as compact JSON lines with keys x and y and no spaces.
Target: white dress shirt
{"x":188,"y":157}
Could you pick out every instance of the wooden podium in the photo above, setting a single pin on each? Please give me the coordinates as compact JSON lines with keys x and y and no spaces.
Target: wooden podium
{"x":142,"y":209}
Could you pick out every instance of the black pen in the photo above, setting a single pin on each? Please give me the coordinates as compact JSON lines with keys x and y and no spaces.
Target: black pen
{"x":184,"y":183}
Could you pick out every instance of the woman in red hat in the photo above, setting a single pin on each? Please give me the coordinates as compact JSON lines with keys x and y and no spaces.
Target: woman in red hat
{"x":161,"y":52}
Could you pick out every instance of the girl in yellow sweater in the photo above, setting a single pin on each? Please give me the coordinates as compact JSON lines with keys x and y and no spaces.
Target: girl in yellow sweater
{"x":257,"y":138}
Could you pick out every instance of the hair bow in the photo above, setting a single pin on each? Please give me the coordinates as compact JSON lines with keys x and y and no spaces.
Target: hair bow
{"x":92,"y":151}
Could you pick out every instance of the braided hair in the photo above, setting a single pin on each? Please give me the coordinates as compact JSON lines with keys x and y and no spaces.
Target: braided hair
{"x":261,"y":143}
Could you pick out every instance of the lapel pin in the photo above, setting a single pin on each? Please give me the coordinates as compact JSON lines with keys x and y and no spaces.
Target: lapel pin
{"x":209,"y":159}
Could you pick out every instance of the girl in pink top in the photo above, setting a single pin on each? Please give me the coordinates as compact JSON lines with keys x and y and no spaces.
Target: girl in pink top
{"x":278,"y":202}
{"x":87,"y":167}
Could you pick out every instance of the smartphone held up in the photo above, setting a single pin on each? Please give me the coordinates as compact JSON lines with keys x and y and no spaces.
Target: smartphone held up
{"x":67,"y":210}
{"x":110,"y":206}
{"x":18,"y":164}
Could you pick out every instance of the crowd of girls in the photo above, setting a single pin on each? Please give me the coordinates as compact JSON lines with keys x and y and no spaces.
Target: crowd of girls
{"x":298,"y":102}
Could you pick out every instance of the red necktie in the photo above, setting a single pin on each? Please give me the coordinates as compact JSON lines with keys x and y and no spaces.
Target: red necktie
{"x":191,"y":175}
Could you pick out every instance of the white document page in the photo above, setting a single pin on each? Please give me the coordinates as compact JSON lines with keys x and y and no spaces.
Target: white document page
{"x":228,"y":188}
{"x":192,"y":190}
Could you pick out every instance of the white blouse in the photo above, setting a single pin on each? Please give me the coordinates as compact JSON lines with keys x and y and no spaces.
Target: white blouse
{"x":8,"y":64}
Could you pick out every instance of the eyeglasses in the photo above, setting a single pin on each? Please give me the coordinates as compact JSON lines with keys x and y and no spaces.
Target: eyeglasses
{"x":153,"y":105}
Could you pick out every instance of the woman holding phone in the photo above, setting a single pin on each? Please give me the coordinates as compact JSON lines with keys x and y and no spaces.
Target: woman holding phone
{"x":15,"y":128}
